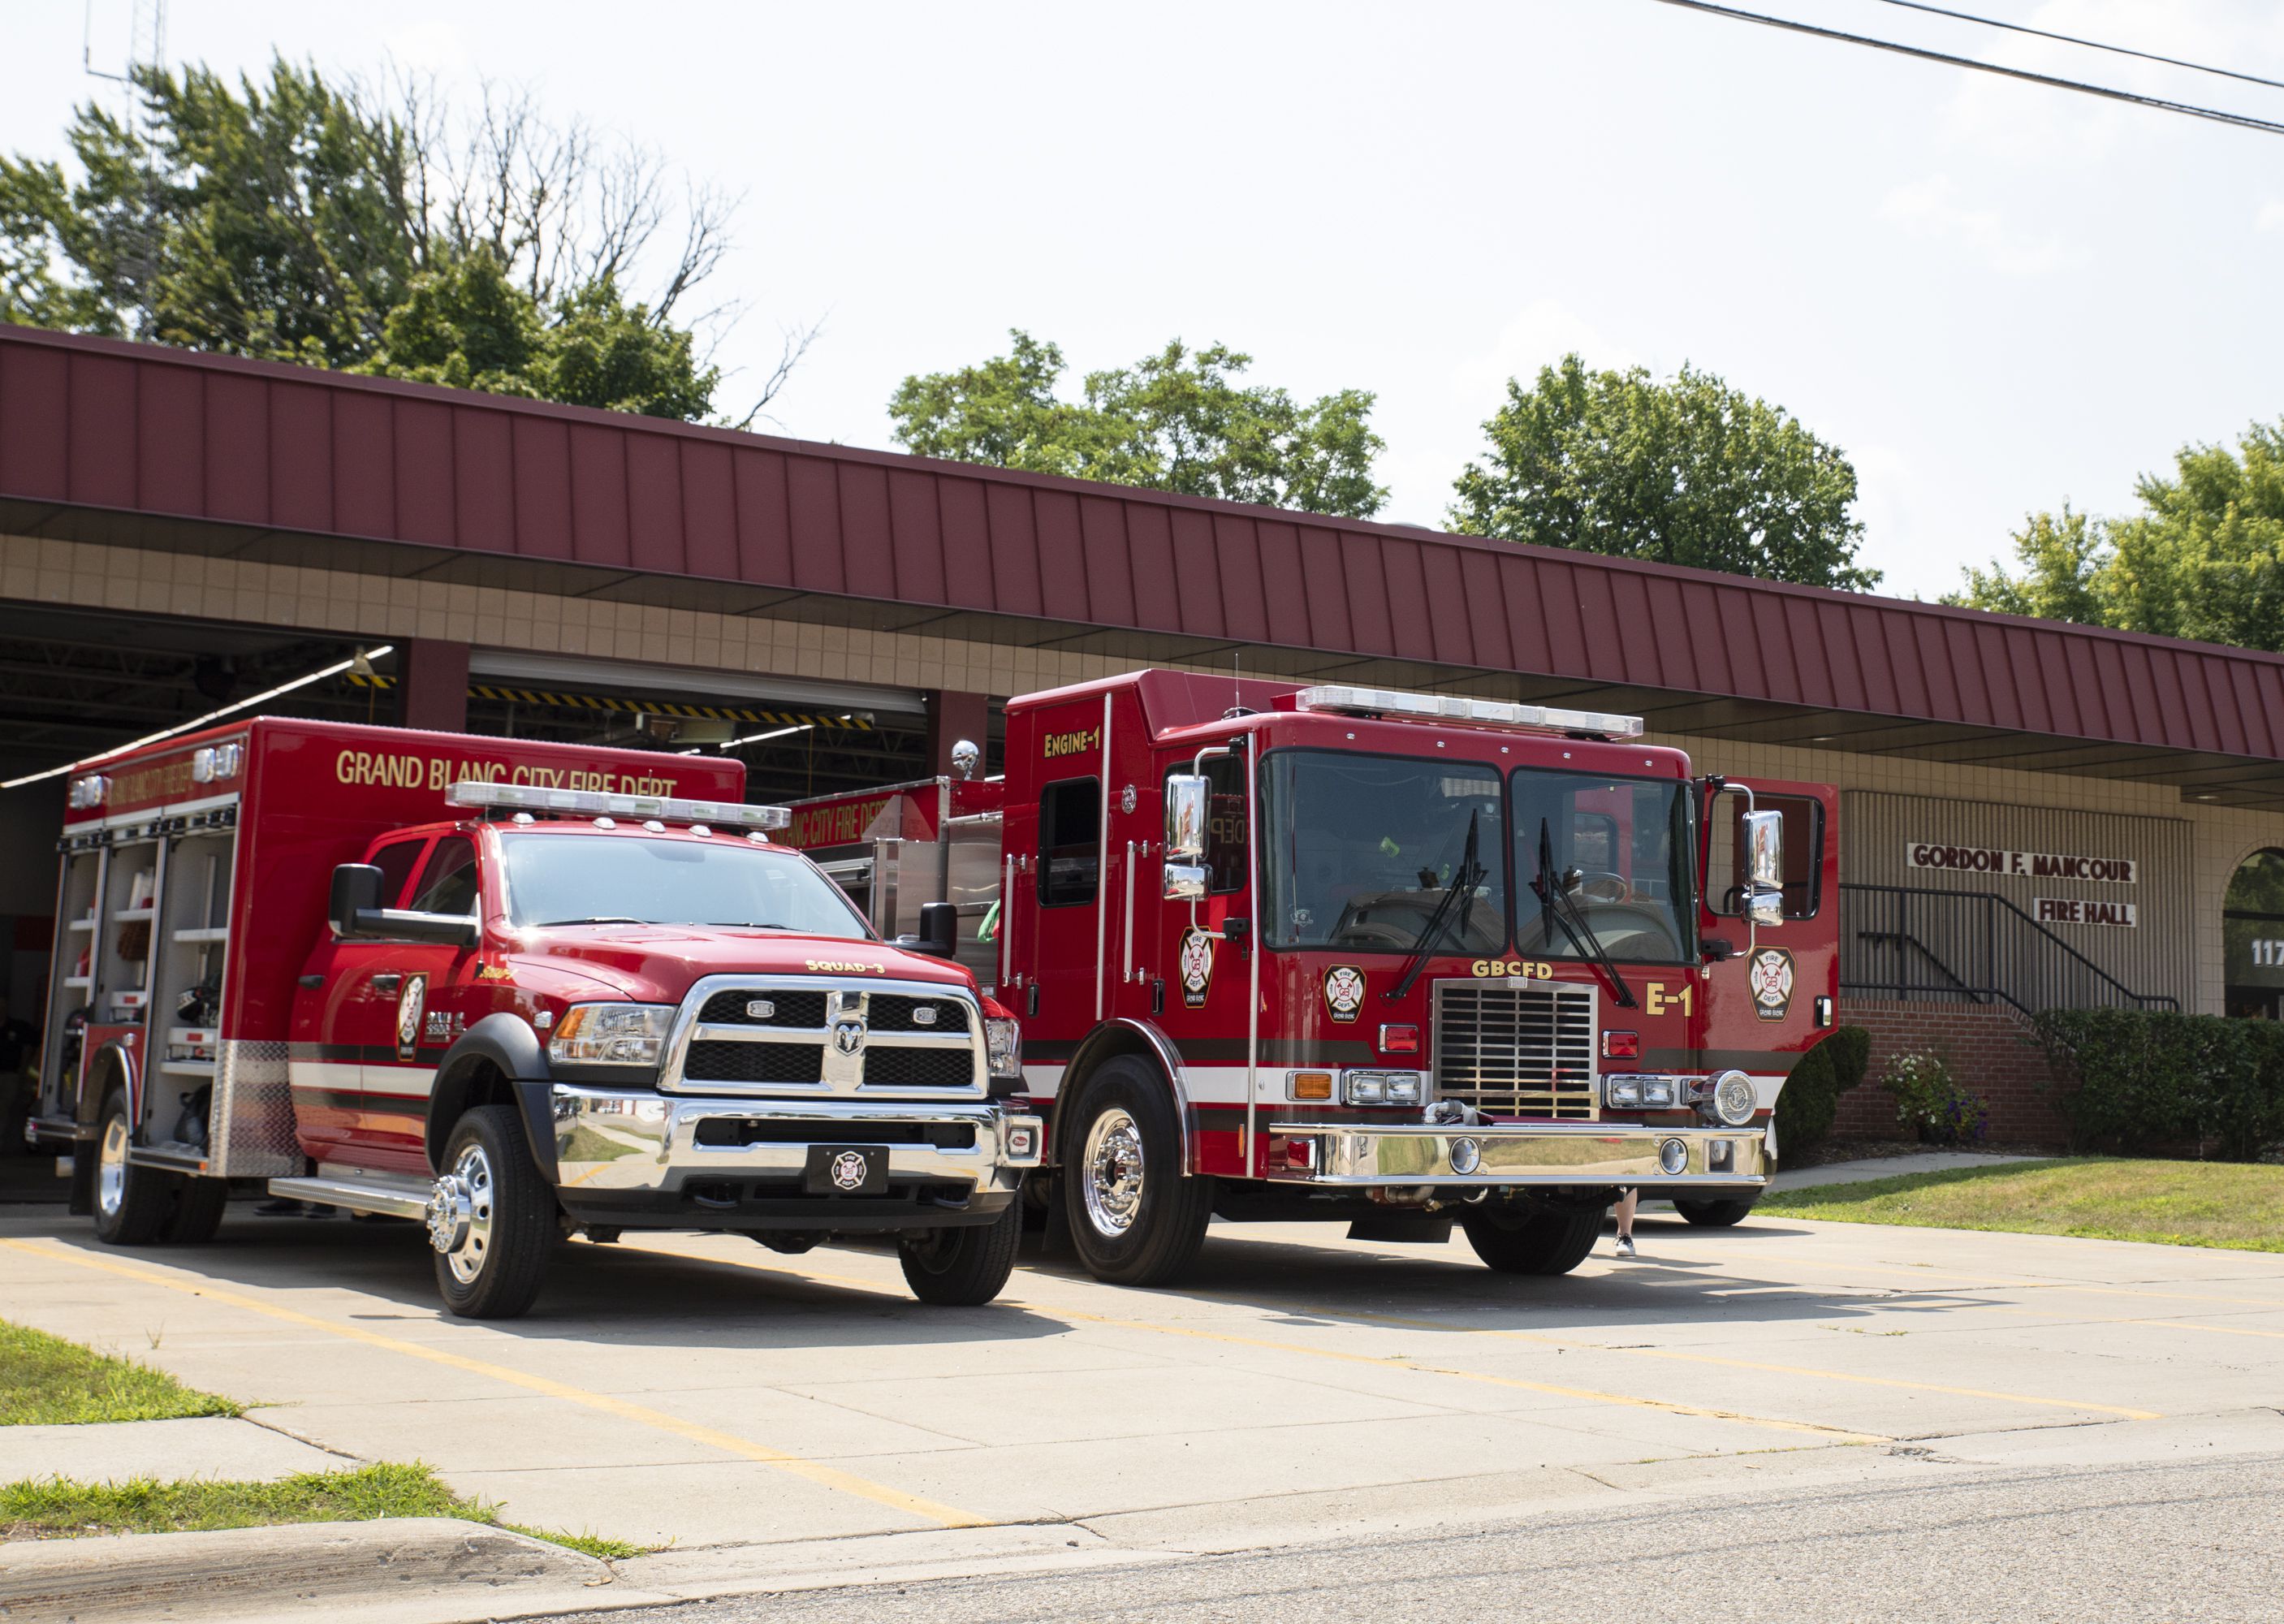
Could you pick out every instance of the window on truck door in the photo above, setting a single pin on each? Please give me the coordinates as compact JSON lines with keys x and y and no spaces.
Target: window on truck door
{"x":1070,"y":833}
{"x":448,"y":884}
{"x":395,"y":860}
{"x":1803,"y":853}
{"x":1225,"y":822}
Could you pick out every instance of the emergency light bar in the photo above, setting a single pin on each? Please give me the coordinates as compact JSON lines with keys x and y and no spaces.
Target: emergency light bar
{"x":596,"y":803}
{"x":1459,"y":708}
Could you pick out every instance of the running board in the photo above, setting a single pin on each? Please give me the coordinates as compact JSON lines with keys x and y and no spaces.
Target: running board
{"x":367,"y":1195}
{"x":174,"y":1159}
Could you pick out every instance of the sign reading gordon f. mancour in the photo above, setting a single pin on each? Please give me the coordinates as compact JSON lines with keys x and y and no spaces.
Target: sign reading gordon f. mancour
{"x":2027,"y":865}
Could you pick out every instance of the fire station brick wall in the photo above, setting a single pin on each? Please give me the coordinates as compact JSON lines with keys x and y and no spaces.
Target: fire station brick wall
{"x":1988,"y":1049}
{"x":349,"y":604}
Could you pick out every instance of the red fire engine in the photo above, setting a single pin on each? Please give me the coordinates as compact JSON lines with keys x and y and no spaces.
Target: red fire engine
{"x":507,"y":988}
{"x":1395,"y":959}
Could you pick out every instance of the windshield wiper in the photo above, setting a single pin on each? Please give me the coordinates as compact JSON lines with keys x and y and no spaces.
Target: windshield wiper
{"x":745,"y":924}
{"x":594,"y":919}
{"x":1462,"y":890}
{"x":1555,"y":900}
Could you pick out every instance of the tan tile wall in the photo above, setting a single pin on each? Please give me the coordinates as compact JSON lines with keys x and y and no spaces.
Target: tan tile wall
{"x":383,"y":608}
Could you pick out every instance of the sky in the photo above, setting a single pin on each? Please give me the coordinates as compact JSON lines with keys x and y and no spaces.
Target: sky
{"x":1993,"y":297}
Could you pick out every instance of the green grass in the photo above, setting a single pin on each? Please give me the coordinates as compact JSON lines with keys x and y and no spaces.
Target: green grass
{"x":60,"y":1508}
{"x":45,"y":1381}
{"x":2234,"y":1204}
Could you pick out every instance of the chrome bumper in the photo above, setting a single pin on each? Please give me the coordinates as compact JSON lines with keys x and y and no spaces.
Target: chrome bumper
{"x":1543,"y":1155}
{"x":648,"y":1141}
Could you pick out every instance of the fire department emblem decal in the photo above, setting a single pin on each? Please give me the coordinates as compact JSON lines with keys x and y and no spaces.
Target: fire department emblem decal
{"x":847,"y":1171}
{"x":1196,"y":965}
{"x":1771,"y":978}
{"x":1343,"y":992}
{"x":848,"y":1035}
{"x":409,"y":1004}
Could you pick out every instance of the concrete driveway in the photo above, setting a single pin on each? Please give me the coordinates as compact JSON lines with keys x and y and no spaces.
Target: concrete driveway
{"x":711,"y":1395}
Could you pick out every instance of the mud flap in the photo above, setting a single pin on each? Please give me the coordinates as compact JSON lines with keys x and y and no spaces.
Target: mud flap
{"x":1404,"y":1228}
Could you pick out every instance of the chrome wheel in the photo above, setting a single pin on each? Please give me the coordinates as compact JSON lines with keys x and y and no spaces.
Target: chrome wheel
{"x":460,"y":1214}
{"x":1111,"y":1172}
{"x":111,"y":1167}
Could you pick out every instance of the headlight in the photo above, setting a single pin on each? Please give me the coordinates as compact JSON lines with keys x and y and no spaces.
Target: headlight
{"x":1003,"y":1040}
{"x":1381,"y":1087}
{"x":1641,"y":1091}
{"x":611,"y":1035}
{"x":1734,"y":1098}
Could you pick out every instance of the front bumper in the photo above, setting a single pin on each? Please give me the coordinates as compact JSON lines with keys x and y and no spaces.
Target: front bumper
{"x":740,"y":1162}
{"x":1543,"y":1155}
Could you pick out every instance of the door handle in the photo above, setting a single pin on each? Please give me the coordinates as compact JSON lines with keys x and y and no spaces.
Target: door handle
{"x":388,"y":981}
{"x":310,"y":981}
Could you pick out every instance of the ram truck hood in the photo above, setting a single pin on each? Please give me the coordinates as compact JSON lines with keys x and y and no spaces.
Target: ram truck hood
{"x":657,"y":963}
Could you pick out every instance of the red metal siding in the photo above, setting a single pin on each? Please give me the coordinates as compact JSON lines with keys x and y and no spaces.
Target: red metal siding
{"x":129,"y":428}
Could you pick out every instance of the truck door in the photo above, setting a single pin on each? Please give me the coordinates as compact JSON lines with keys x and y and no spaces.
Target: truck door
{"x":1776,"y":995}
{"x":428,"y":1013}
{"x":1068,"y":920}
{"x":345,"y":1014}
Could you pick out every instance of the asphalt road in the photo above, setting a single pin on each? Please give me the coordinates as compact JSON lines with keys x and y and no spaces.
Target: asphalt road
{"x":2117,"y":1543}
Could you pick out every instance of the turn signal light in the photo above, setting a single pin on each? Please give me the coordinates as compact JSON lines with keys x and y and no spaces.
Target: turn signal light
{"x":1399,"y":1040}
{"x":1311,"y":1085}
{"x":1622,"y":1045}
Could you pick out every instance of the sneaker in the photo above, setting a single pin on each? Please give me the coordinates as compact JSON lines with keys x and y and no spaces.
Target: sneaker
{"x":1625,"y":1246}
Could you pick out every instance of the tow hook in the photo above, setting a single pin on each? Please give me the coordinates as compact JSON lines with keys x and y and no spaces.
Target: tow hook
{"x":451,"y":1208}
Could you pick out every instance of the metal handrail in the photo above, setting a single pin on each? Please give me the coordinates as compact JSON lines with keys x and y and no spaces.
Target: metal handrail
{"x":1984,"y":947}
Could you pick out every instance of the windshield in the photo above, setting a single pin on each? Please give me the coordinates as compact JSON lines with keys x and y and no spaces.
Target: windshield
{"x":571,"y":879}
{"x":1620,"y":854}
{"x":1362,"y":850}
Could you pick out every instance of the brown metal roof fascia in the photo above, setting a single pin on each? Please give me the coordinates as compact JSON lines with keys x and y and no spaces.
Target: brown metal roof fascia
{"x":140,"y":433}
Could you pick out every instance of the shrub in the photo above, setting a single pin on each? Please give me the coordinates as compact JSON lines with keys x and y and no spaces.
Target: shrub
{"x":1931,"y":1101}
{"x":2150,"y":1077}
{"x":1812,"y":1092}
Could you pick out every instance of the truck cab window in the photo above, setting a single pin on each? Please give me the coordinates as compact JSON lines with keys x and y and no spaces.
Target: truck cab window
{"x":1619,"y":850}
{"x":1226,"y":822}
{"x":1803,"y":850}
{"x":1070,"y":832}
{"x":448,"y":884}
{"x":395,"y":860}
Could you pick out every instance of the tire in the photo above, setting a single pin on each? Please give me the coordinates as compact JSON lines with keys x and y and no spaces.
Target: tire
{"x":197,"y":1212}
{"x":964,"y":1267}
{"x":1533,"y":1243}
{"x":1716,"y":1214}
{"x":1135,"y":1218}
{"x":132,"y":1203}
{"x":494,"y":1271}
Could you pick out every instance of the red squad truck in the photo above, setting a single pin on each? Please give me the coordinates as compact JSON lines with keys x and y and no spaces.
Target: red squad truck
{"x":510,"y":990}
{"x":1392,"y":959}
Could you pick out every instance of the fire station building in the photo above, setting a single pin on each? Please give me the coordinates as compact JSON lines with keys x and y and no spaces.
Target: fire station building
{"x":2032,"y":814}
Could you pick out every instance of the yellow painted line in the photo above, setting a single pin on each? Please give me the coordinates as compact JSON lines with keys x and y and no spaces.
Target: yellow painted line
{"x":713,"y":1438}
{"x":2224,"y":1330}
{"x":1835,"y":1434}
{"x":1929,"y":1279}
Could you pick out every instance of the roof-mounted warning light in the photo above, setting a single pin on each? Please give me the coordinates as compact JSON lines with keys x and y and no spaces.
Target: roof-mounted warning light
{"x":597,"y":803}
{"x":1460,"y":708}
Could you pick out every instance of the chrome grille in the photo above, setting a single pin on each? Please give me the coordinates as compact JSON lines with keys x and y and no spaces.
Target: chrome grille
{"x":735,"y":1033}
{"x":1516,"y":1048}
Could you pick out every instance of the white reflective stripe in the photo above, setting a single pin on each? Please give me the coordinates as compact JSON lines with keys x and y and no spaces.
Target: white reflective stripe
{"x":400,"y":1082}
{"x":340,"y":1076}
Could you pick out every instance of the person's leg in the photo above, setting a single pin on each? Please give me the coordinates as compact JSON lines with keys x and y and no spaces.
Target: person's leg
{"x":1626,"y":1205}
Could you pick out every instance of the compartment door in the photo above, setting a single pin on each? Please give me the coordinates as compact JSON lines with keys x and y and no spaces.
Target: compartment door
{"x":1777,"y":993}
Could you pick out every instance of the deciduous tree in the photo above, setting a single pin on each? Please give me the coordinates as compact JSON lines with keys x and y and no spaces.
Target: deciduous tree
{"x":1691,"y":472}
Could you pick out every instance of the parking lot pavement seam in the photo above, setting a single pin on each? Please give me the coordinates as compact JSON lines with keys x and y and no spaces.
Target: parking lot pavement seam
{"x":825,"y":1477}
{"x":1590,"y":1396}
{"x":1408,"y":1323}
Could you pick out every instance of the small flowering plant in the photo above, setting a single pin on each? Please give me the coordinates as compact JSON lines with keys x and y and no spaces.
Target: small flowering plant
{"x":1930,"y":1100}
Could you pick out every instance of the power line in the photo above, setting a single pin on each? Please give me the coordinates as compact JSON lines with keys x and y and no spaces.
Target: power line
{"x":2242,"y":120}
{"x":2072,"y":39}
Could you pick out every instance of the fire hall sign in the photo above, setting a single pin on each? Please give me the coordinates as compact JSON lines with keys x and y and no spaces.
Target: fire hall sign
{"x":2023,"y":864}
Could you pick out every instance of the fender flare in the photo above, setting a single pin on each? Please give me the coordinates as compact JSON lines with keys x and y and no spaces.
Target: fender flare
{"x":89,"y":1106}
{"x":1114,"y":1036}
{"x":507,"y":1044}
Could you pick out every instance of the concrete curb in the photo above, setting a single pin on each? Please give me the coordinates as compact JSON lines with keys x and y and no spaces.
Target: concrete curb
{"x":422,"y":1570}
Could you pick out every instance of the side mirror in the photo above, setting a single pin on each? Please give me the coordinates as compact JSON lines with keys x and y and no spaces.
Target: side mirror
{"x":1185,"y":817}
{"x":356,"y":890}
{"x":1184,"y":882}
{"x":938,"y":936}
{"x":1765,"y":868}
